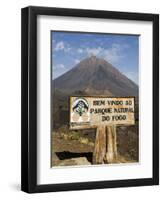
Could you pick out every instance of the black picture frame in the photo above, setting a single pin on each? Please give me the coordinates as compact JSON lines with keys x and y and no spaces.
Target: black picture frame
{"x":29,"y":99}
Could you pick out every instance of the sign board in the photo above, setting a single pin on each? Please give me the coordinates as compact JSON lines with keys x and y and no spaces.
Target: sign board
{"x":91,"y":112}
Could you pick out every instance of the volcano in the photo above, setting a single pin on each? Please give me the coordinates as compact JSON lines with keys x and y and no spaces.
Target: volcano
{"x":95,"y":76}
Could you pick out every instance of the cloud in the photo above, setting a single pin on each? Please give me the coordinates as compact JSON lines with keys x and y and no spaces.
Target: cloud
{"x":133,"y":76}
{"x":112,"y":54}
{"x":59,"y":46}
{"x":80,"y":50}
{"x":58,"y":70}
{"x":59,"y":66}
{"x":94,"y":51}
{"x":76,"y":61}
{"x":62,"y":46}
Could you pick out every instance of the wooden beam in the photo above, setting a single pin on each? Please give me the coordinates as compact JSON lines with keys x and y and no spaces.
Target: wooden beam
{"x":100,"y":145}
{"x":115,"y":142}
{"x":111,"y":144}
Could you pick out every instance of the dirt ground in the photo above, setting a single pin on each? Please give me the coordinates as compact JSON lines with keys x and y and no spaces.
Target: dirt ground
{"x":77,"y":148}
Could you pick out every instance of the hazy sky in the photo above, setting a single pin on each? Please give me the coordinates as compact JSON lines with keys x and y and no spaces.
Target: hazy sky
{"x":68,"y":48}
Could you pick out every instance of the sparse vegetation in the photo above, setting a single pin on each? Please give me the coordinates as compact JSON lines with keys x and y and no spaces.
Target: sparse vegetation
{"x":74,"y":135}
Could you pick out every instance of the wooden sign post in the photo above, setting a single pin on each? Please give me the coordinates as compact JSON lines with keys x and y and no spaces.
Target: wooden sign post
{"x":104,"y":114}
{"x":105,"y":150}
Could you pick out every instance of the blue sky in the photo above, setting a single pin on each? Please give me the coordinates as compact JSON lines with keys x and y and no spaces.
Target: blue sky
{"x":69,"y":48}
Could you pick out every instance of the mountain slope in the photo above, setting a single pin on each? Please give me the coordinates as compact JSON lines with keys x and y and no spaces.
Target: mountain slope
{"x":95,"y":76}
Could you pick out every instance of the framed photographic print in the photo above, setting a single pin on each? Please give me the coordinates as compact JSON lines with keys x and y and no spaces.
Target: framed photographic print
{"x":90,"y":99}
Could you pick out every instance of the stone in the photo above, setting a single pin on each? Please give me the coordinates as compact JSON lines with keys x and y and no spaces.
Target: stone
{"x":74,"y":161}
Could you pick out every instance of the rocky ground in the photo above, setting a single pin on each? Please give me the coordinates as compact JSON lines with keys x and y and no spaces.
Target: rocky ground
{"x":76,"y":148}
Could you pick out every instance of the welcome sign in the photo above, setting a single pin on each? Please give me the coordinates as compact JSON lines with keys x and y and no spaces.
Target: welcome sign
{"x":90,"y":112}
